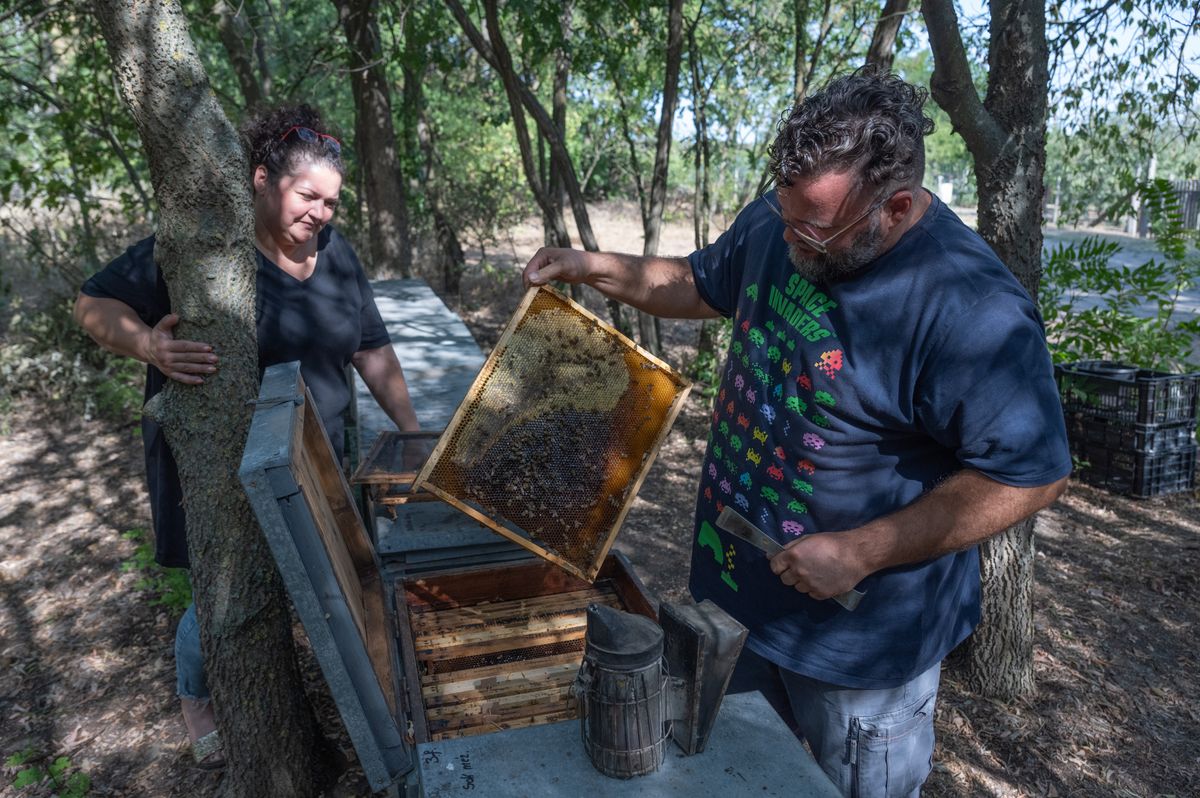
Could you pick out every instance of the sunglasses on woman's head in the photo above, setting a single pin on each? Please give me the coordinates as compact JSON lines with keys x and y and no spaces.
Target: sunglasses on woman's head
{"x":311,"y":136}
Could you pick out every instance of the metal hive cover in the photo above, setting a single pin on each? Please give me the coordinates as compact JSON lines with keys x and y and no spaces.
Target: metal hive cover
{"x":561,"y":426}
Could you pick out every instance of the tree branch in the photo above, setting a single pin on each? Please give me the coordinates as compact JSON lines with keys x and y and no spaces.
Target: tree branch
{"x":229,"y":30}
{"x":102,"y":132}
{"x":627,"y":133}
{"x":497,"y":56}
{"x":883,"y":41}
{"x":824,"y":28}
{"x":951,"y":83}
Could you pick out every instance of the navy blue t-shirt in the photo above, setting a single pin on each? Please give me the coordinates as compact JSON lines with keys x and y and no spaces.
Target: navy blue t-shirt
{"x":321,"y":321}
{"x":845,"y":402}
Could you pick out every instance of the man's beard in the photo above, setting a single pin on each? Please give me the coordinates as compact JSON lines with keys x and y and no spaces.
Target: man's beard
{"x":834,"y":266}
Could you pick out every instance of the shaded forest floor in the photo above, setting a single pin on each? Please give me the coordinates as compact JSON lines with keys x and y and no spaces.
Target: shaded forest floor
{"x":87,"y":671}
{"x":86,"y":668}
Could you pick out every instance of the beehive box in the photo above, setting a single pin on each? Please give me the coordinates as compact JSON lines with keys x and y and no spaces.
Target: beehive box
{"x":494,"y":648}
{"x":431,"y":657}
{"x":556,"y":434}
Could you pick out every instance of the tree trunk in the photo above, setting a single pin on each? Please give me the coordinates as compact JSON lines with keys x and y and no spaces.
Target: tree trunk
{"x":701,"y":195}
{"x":375,"y":138}
{"x":450,"y":258}
{"x":663,"y":138}
{"x":706,"y":340}
{"x":800,"y":68}
{"x":558,"y":109}
{"x":1006,"y":134}
{"x":882,"y":51}
{"x":497,"y":55}
{"x":205,"y":247}
{"x":562,"y":71}
{"x":652,"y":229}
{"x":631,"y":144}
{"x":230,"y":29}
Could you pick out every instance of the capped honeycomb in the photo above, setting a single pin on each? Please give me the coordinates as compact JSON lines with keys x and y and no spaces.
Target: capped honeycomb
{"x":557,"y":433}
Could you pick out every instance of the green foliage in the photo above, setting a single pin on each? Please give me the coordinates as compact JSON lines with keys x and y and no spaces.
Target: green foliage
{"x":1123,"y":69}
{"x":170,"y":587}
{"x":1095,"y":175}
{"x":1091,"y":307}
{"x":45,"y":356}
{"x":1123,"y":91}
{"x":705,"y":367}
{"x":59,"y":776}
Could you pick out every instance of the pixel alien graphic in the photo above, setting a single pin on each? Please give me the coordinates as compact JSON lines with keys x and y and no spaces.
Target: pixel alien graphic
{"x":830,"y":362}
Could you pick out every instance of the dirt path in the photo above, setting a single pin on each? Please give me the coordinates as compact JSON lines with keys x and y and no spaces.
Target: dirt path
{"x":86,"y":663}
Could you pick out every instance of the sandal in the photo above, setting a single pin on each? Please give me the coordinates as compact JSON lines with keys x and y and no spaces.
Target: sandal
{"x":201,"y":728}
{"x":207,"y":752}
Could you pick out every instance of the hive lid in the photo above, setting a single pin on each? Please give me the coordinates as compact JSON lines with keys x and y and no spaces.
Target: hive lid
{"x":329,"y":567}
{"x":556,"y":434}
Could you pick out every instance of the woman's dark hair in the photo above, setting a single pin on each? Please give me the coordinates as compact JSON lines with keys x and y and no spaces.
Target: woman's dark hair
{"x":869,"y":120}
{"x":271,"y":140}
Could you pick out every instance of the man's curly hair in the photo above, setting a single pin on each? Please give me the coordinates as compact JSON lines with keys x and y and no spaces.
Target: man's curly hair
{"x":870,"y":121}
{"x":262,"y":136}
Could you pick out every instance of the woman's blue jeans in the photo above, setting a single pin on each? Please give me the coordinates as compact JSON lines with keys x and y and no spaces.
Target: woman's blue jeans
{"x":189,"y":664}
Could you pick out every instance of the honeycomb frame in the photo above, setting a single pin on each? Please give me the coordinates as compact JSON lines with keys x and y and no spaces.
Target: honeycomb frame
{"x":556,"y":434}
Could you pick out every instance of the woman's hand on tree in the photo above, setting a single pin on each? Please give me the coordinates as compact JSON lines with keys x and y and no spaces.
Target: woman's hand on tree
{"x":182,"y":361}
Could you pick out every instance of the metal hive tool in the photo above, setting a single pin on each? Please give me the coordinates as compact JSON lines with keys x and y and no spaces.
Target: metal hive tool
{"x":561,"y":426}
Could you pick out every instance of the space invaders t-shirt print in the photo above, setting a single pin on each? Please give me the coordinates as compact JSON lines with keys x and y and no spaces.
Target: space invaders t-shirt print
{"x":771,"y":420}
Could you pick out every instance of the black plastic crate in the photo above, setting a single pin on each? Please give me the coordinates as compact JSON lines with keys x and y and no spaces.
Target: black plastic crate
{"x":1084,"y":429}
{"x":1126,"y":393}
{"x":1139,"y":473}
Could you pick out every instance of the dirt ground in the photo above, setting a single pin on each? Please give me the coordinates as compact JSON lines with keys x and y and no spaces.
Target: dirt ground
{"x":87,"y":671}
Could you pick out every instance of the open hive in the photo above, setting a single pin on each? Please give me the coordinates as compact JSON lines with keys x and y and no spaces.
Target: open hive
{"x":498,"y":648}
{"x":557,"y":433}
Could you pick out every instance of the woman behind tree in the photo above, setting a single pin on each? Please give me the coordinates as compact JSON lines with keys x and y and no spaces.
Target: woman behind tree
{"x":313,"y":305}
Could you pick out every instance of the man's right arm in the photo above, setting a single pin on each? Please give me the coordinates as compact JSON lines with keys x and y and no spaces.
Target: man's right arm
{"x":659,"y":286}
{"x":118,"y":328}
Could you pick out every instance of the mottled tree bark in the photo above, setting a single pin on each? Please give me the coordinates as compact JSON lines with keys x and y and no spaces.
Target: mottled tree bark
{"x":375,"y":139}
{"x":205,"y":247}
{"x":1006,"y":134}
{"x":882,"y":51}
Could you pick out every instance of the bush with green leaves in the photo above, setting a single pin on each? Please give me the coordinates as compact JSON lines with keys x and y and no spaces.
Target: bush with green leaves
{"x":57,"y":776}
{"x":45,"y":356}
{"x":169,"y":587}
{"x":1164,"y":339}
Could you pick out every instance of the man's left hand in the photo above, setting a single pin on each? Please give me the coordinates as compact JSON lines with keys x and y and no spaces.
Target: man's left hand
{"x":822,"y":565}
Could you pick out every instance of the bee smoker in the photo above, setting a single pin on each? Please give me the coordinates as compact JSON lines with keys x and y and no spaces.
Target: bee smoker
{"x":641,"y":682}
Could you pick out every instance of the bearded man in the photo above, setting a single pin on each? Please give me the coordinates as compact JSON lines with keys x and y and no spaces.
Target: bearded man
{"x":887,"y":403}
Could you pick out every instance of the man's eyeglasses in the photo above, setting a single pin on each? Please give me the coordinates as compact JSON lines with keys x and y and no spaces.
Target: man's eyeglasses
{"x":818,"y":245}
{"x":312,"y":137}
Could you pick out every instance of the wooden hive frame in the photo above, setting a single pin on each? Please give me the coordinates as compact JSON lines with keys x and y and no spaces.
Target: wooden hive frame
{"x":596,"y":539}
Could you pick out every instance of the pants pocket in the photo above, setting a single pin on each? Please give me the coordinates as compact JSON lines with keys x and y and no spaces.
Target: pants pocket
{"x":892,"y":754}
